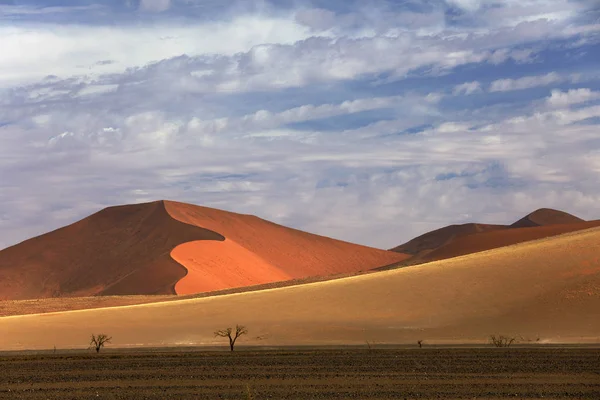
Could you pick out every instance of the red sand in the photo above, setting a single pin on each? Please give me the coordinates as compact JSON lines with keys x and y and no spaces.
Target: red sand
{"x":545,"y":291}
{"x":261,"y":252}
{"x":117,"y":251}
{"x":457,"y":240}
{"x":546,"y":216}
{"x":126,"y":250}
{"x":221,"y":265}
{"x":490,"y":240}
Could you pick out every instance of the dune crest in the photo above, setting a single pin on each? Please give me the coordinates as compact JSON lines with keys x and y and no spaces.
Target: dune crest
{"x":546,"y":216}
{"x":119,"y":250}
{"x":457,"y":240}
{"x":547,"y":289}
{"x":135,"y":249}
{"x":257,"y":251}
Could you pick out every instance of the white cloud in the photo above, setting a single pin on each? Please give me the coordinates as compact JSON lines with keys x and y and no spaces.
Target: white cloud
{"x":155,"y":5}
{"x":213,"y":126}
{"x":470,"y":5}
{"x":70,"y":50}
{"x":467,"y":88}
{"x":316,"y":18}
{"x":527,"y":82}
{"x":560,"y":99}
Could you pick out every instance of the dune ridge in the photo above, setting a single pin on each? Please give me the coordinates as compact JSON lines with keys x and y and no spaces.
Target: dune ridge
{"x":518,"y":290}
{"x":457,"y":240}
{"x":163,"y":248}
{"x":257,"y":251}
{"x":119,"y":250}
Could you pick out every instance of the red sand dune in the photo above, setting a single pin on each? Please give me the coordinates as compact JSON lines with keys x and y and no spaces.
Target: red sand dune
{"x":432,"y":240}
{"x":260,"y":251}
{"x":220,"y":265}
{"x":490,"y":240}
{"x":546,"y":290}
{"x":546,"y":216}
{"x":119,"y":250}
{"x":458,"y":240}
{"x":127,"y":250}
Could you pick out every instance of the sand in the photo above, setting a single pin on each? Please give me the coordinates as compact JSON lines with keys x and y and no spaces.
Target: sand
{"x":257,"y":251}
{"x":545,"y":291}
{"x":163,"y":248}
{"x":222,"y":265}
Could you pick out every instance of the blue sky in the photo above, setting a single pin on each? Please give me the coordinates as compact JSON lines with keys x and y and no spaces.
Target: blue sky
{"x":368,"y":121}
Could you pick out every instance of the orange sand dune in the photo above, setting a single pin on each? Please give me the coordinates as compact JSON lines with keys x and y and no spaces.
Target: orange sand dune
{"x":221,"y":265}
{"x":546,"y":216}
{"x":128,"y":250}
{"x":119,"y":250}
{"x":264,"y":251}
{"x":457,"y":240}
{"x":498,"y":238}
{"x":547,"y":289}
{"x":421,"y":245}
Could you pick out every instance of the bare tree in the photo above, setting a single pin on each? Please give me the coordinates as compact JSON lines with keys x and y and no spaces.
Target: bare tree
{"x":228,"y":333}
{"x":98,"y":342}
{"x":501,"y":340}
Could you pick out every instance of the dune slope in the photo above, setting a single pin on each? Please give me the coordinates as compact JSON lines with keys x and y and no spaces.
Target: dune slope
{"x":257,"y":251}
{"x":490,"y":240}
{"x":166,"y":248}
{"x":547,"y":289}
{"x":119,"y":250}
{"x":546,"y":216}
{"x":430,"y":241}
{"x":457,"y":240}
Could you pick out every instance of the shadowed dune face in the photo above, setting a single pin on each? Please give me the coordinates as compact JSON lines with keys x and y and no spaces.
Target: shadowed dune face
{"x":499,"y":238}
{"x":546,"y":216}
{"x":119,"y":250}
{"x":547,"y":289}
{"x":168,"y":248}
{"x":423,"y":244}
{"x":257,"y":251}
{"x":458,"y":240}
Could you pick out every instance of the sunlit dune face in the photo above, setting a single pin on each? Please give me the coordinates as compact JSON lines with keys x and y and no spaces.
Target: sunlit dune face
{"x":256,"y":251}
{"x":519,"y":290}
{"x":221,"y":265}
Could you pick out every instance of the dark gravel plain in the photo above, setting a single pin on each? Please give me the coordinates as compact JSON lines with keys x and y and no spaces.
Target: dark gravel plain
{"x":428,"y":373}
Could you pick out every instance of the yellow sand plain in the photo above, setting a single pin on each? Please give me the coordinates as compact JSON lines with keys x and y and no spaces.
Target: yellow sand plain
{"x":547,"y":290}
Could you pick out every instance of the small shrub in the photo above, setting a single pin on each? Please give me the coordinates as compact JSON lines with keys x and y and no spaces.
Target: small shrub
{"x":501,"y":340}
{"x":228,"y":333}
{"x":98,"y":342}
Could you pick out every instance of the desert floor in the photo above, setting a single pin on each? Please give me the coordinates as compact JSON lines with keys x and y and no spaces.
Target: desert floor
{"x":440,"y":373}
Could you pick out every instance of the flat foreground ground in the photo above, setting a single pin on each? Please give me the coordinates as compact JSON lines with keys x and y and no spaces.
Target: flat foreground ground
{"x":459,"y":373}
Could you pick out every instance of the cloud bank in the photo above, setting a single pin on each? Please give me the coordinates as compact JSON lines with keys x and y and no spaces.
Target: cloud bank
{"x":371,"y":124}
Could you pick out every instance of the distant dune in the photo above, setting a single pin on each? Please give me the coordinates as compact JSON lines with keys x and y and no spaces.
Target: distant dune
{"x":166,"y":247}
{"x":429,"y":241}
{"x":544,"y":291}
{"x":493,"y":239}
{"x":458,"y":240}
{"x":546,"y":216}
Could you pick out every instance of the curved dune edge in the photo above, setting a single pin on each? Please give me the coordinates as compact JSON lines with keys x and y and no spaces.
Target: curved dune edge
{"x":521,"y":290}
{"x":299,"y":254}
{"x":257,"y":252}
{"x":213,"y":265}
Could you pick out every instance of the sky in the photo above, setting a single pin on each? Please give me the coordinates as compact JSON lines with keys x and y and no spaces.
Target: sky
{"x":370,"y":121}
